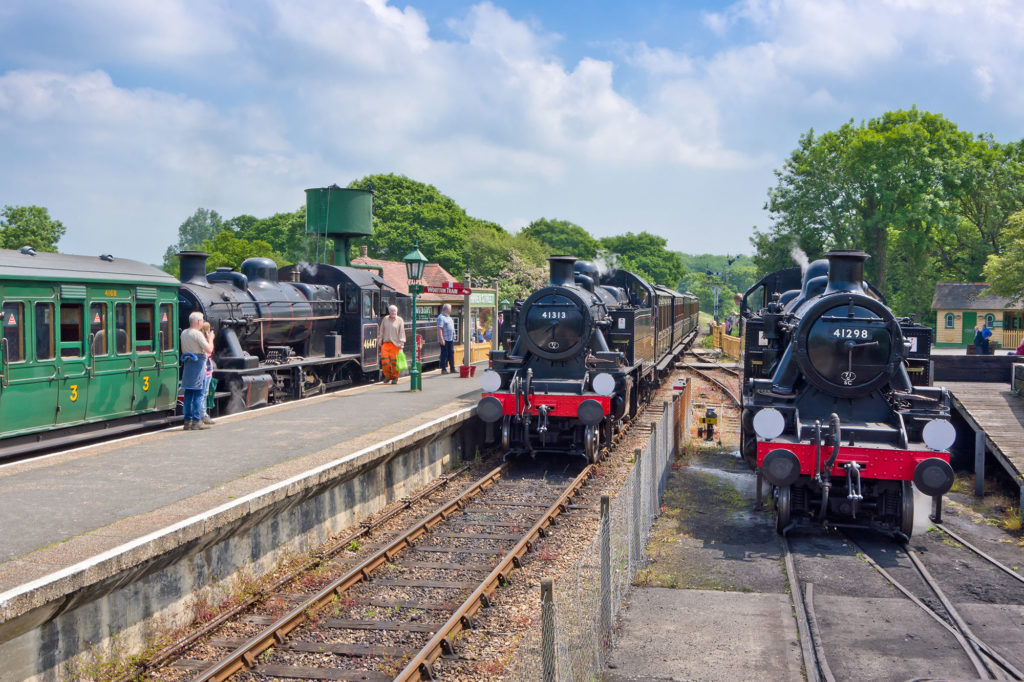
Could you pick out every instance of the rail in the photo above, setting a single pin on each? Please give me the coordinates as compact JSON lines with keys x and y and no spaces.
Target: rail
{"x":245,"y":656}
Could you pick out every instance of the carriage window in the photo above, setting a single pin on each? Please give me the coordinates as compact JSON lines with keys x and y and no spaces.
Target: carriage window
{"x":98,"y":328}
{"x":144,"y":327}
{"x":167,"y":338}
{"x":14,"y":334}
{"x":122,"y":315}
{"x":368,"y":304}
{"x":71,"y":330}
{"x":949,"y":320}
{"x":44,"y":331}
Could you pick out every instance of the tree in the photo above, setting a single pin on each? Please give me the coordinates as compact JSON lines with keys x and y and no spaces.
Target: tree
{"x":406,"y":212}
{"x":1005,"y":271}
{"x":562,"y":238}
{"x":286,"y":233}
{"x":923,"y":198}
{"x":29,"y":226}
{"x":202,"y":225}
{"x":647,"y":255}
{"x":489,"y":251}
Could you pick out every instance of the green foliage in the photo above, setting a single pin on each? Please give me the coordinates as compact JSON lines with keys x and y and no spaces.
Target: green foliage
{"x":29,"y":226}
{"x":928,"y":201}
{"x":1005,"y":271}
{"x":647,"y":255}
{"x":562,"y":237}
{"x":497,"y":257}
{"x":202,"y":225}
{"x":285,"y":233}
{"x":406,"y":211}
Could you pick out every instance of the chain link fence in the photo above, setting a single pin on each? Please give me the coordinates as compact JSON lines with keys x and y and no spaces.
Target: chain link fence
{"x":572,"y":636}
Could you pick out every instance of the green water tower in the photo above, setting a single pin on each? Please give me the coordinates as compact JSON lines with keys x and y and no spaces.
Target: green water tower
{"x":340,"y":214}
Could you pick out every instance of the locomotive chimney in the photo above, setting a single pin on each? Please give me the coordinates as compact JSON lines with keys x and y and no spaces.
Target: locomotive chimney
{"x":845,"y":270}
{"x":561,"y":270}
{"x":192,"y":267}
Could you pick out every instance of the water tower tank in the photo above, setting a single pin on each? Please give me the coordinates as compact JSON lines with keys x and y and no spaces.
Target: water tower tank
{"x":341,"y":214}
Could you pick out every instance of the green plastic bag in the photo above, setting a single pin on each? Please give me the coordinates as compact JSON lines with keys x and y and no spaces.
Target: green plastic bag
{"x":400,"y":362}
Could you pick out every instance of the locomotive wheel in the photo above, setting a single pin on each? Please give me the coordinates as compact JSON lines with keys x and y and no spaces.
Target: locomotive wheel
{"x":907,"y":509}
{"x":783,"y":508}
{"x":591,"y":443}
{"x":506,"y":433}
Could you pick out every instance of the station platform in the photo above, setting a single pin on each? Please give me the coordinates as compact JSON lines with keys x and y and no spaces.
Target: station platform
{"x":995,"y":412}
{"x":59,"y":510}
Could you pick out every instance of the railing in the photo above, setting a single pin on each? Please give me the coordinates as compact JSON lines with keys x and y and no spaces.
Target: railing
{"x":572,"y":636}
{"x":1012,"y":338}
{"x":729,"y":345}
{"x":478,"y":352}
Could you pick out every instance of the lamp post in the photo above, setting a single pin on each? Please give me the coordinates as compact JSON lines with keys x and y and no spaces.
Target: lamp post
{"x":414,"y":263}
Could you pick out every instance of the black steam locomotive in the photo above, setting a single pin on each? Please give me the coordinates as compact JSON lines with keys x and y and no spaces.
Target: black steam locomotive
{"x":585,"y":352}
{"x":839,"y":416}
{"x":291,"y":332}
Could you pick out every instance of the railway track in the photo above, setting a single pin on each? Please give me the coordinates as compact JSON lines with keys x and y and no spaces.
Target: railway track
{"x":987,"y":662}
{"x":392,"y":615}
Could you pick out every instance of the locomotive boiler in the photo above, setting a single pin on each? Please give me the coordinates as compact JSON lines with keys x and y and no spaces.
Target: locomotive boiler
{"x":585,"y":351}
{"x":832,"y":419}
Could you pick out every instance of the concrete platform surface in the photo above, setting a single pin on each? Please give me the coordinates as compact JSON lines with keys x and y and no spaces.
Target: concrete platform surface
{"x":671,"y":634}
{"x":59,"y":510}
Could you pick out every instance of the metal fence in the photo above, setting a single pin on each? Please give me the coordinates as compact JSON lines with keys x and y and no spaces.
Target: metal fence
{"x":571,"y":638}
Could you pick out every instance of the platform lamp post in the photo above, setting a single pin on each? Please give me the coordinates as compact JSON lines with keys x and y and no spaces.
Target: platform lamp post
{"x":414,"y":264}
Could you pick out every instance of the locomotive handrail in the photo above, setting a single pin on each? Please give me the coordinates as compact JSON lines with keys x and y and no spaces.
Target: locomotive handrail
{"x":4,"y":350}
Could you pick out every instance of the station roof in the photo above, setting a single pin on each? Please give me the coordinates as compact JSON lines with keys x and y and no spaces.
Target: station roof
{"x":968,"y":296}
{"x":62,"y":267}
{"x":394,"y":274}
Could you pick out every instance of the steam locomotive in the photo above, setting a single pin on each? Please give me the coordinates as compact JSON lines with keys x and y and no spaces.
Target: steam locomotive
{"x":839,"y":415}
{"x":586,"y":353}
{"x":291,"y":332}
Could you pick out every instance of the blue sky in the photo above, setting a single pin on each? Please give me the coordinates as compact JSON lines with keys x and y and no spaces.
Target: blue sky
{"x":123,"y":117}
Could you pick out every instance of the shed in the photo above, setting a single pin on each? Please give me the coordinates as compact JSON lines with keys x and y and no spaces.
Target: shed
{"x":960,"y":306}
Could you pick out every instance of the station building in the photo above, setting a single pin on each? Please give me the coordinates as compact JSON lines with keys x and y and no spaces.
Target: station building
{"x":959,"y":307}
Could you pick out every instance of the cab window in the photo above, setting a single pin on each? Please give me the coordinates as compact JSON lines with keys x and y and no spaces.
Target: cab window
{"x":351,"y":299}
{"x":122,"y":315}
{"x":144,"y":327}
{"x":368,"y":305}
{"x":98,"y":329}
{"x":166,"y":336}
{"x":71,"y":330}
{"x":14,"y":332}
{"x":44,"y":331}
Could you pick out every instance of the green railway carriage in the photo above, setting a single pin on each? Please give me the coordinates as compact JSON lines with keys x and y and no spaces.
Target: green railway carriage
{"x":88,"y":343}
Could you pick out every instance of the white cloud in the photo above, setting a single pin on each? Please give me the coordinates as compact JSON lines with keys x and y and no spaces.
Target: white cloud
{"x":242,"y":105}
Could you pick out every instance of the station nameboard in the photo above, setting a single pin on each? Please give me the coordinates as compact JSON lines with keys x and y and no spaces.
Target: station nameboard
{"x":450,"y":289}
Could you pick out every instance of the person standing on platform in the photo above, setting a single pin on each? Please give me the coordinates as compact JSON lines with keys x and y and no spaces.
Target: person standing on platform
{"x":194,"y":347}
{"x":978,"y":338}
{"x":446,"y":337}
{"x":204,"y":415}
{"x":986,"y":334}
{"x":391,"y":338}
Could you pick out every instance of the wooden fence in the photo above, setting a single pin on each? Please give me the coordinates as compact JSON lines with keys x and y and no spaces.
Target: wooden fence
{"x":729,"y":345}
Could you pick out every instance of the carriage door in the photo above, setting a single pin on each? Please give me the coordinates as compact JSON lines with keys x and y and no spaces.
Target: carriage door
{"x":165,"y":391}
{"x":111,"y":359}
{"x":146,"y":372}
{"x":72,"y":368}
{"x":27,"y":390}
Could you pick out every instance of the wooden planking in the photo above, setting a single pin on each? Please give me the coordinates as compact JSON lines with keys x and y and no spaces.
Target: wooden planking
{"x":1000,"y":414}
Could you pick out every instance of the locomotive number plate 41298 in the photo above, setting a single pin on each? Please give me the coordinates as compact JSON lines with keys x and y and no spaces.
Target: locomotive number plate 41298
{"x":847,"y":333}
